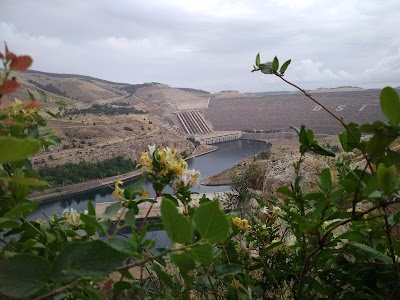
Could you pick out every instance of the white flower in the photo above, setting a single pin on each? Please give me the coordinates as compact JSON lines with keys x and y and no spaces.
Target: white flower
{"x":276,"y":210}
{"x":85,"y":212}
{"x":72,"y":216}
{"x":190,"y":177}
{"x":152,"y":148}
{"x":264,"y":210}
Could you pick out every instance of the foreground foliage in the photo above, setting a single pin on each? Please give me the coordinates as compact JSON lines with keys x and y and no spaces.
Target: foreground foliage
{"x":301,"y":245}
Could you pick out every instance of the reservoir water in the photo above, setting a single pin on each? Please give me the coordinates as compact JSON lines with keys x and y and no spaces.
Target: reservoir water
{"x":228,"y":154}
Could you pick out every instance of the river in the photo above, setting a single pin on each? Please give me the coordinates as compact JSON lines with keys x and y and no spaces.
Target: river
{"x":228,"y":154}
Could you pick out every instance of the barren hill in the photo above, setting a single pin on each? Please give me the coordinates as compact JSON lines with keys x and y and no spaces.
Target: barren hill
{"x":105,"y":119}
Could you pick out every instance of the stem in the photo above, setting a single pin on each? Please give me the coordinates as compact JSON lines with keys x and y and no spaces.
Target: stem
{"x":57,"y":291}
{"x":145,"y":218}
{"x":308,"y":257}
{"x":148,"y":258}
{"x":388,"y":230}
{"x":340,"y":120}
{"x":158,"y":194}
{"x":141,"y":283}
{"x":354,"y":202}
{"x":209,"y":280}
{"x":117,"y":225}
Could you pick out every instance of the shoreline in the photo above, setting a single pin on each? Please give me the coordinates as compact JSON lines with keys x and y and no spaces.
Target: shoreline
{"x":77,"y":188}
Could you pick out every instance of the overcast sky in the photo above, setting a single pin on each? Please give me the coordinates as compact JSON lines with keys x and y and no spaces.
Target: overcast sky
{"x":210,"y":44}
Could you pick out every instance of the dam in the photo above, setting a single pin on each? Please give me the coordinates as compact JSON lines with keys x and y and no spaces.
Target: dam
{"x":197,"y":129}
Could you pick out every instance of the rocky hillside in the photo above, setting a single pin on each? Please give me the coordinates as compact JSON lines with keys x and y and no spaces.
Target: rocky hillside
{"x":103,"y":118}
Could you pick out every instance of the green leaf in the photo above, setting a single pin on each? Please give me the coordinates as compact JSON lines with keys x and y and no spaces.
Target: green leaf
{"x":119,"y":286}
{"x":385,"y":178}
{"x":390,"y":104}
{"x":202,"y":253}
{"x":326,"y":180}
{"x":258,"y":60}
{"x":134,"y":189}
{"x":13,"y":149}
{"x":91,"y":222}
{"x":60,"y":103}
{"x":21,"y":210}
{"x":86,"y":259}
{"x":303,"y":137}
{"x":275,"y":64}
{"x":122,"y":246}
{"x":376,"y":146}
{"x":183,"y":261}
{"x":395,"y":157}
{"x":31,"y":96}
{"x":211,"y":222}
{"x":177,"y":226}
{"x":91,"y":209}
{"x":346,"y":139}
{"x":228,"y":270}
{"x":284,"y":190}
{"x":33,"y":132}
{"x":8,"y":223}
{"x":284,"y":66}
{"x":50,"y":113}
{"x":314,"y":147}
{"x":266,"y":68}
{"x":42,"y":95}
{"x":162,"y":275}
{"x":130,"y":217}
{"x":372,"y":252}
{"x":111,"y":210}
{"x":23,"y":275}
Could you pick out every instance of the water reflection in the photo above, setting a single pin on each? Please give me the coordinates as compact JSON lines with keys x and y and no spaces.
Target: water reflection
{"x":228,"y":154}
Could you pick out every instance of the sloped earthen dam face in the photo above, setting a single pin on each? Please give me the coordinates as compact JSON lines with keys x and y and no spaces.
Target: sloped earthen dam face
{"x":280,"y":112}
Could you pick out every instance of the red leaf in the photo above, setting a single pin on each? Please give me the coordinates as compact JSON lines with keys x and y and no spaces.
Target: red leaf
{"x":108,"y":284}
{"x":10,"y":122}
{"x":9,"y":55}
{"x":32,"y":104}
{"x":9,"y":86}
{"x":21,"y":63}
{"x":1,"y":55}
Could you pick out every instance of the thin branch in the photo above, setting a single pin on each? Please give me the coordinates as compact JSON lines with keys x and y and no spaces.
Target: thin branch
{"x":340,"y":120}
{"x":57,"y":291}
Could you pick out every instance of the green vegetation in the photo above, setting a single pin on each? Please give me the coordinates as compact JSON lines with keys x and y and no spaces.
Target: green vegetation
{"x":107,"y":109}
{"x":132,"y":88}
{"x":49,"y":88}
{"x":73,"y":173}
{"x":298,"y":244}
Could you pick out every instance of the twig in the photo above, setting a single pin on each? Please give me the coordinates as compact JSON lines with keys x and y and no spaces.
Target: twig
{"x":58,"y":291}
{"x":340,"y":120}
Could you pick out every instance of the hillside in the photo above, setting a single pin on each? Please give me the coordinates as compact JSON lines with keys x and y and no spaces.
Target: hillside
{"x":104,"y":119}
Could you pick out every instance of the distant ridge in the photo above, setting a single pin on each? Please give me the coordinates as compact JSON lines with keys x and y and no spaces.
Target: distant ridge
{"x":82,"y":77}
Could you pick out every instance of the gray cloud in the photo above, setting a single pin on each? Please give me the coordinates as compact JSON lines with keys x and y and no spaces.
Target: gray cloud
{"x":210,"y":44}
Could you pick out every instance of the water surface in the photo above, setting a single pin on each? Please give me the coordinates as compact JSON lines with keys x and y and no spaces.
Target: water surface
{"x":228,"y":154}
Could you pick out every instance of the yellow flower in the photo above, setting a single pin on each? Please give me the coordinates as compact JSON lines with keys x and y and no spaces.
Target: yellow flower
{"x":236,"y":221}
{"x":145,"y":161}
{"x":72,"y":216}
{"x":243,"y":224}
{"x":118,"y":192}
{"x":144,"y":194}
